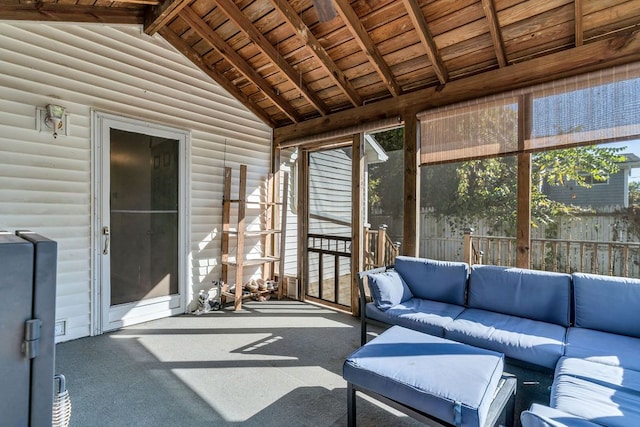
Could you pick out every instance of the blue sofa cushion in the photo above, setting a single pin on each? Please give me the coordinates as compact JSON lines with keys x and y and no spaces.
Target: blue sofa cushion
{"x":388,"y":289}
{"x":527,"y":340}
{"x":428,"y":373}
{"x":421,"y":315}
{"x":544,"y":416}
{"x":614,"y":377}
{"x":537,"y":295}
{"x":620,"y":314}
{"x":603,"y":347}
{"x":596,"y":400}
{"x":442,"y":281}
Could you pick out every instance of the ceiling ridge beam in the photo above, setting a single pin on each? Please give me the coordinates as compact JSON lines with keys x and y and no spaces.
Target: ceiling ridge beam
{"x":71,"y":13}
{"x":216,"y":41}
{"x":158,"y":16}
{"x":196,"y":59}
{"x":494,"y":29}
{"x":422,"y":28}
{"x":360,"y":34}
{"x":623,"y":48}
{"x":319,"y":52}
{"x":246,"y":26}
{"x":579,"y":30}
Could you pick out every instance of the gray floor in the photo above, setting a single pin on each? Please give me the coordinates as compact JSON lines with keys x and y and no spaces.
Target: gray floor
{"x":276,"y":363}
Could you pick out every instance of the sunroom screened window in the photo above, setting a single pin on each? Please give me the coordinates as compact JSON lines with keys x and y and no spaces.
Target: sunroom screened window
{"x":598,"y":107}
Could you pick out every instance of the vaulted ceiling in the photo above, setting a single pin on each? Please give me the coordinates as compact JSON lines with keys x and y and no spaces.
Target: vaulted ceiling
{"x":300,"y":64}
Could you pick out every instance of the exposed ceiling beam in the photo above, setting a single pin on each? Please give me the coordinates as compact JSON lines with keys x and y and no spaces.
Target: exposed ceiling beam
{"x":420,"y":24}
{"x":624,"y":48}
{"x":578,"y":23}
{"x":158,"y":16}
{"x":361,"y":36}
{"x":194,"y":57}
{"x":207,"y":33}
{"x":494,"y":28}
{"x":246,"y":26}
{"x":318,"y":51}
{"x":71,"y":13}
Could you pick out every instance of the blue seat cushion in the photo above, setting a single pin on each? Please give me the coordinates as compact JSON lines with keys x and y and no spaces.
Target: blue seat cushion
{"x":603,"y":347}
{"x":598,"y":395}
{"x":388,"y":289}
{"x":442,"y":281}
{"x":421,"y":315}
{"x":620,"y":314}
{"x":537,"y":295}
{"x":527,"y":340}
{"x":606,"y":375}
{"x":428,"y":373}
{"x":544,"y":416}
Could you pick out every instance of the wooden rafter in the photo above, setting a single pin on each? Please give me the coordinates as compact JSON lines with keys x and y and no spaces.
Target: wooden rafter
{"x":352,"y":21}
{"x":624,"y":48}
{"x":318,"y":51}
{"x":158,"y":16}
{"x":494,"y":28}
{"x":578,"y":23}
{"x":420,"y":24}
{"x":194,"y":57}
{"x":246,"y":26}
{"x":71,"y":13}
{"x":216,"y":41}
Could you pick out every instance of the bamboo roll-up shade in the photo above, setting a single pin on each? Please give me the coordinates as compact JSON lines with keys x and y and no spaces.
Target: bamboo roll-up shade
{"x":486,"y":129}
{"x":593,"y":108}
{"x":597,"y":107}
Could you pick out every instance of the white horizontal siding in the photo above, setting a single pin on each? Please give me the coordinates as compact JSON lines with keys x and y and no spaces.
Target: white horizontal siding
{"x":45,"y":183}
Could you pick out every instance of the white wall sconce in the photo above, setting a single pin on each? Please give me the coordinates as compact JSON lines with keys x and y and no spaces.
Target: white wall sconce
{"x":54,"y":118}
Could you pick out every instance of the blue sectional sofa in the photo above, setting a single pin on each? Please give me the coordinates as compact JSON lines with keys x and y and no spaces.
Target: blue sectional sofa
{"x":583,"y":327}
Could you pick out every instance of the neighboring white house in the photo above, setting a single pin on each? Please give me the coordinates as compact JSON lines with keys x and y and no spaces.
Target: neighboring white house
{"x":113,"y":77}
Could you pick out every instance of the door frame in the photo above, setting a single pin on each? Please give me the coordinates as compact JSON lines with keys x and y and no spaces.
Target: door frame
{"x":101,"y":123}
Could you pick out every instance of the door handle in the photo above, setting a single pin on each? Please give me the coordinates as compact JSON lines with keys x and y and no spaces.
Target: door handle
{"x":105,"y":232}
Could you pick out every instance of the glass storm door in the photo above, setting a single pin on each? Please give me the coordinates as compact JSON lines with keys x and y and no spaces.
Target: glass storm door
{"x":140,"y":233}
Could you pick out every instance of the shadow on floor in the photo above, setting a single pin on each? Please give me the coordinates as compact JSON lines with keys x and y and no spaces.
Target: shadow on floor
{"x":277,"y":363}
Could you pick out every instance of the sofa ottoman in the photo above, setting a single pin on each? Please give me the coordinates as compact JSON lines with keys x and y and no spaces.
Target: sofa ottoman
{"x":430,"y":378}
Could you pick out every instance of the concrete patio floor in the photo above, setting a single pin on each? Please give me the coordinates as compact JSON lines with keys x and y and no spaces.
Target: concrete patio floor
{"x":275,"y":363}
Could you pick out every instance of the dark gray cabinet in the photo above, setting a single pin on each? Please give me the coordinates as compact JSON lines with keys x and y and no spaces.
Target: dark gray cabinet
{"x":27,"y":324}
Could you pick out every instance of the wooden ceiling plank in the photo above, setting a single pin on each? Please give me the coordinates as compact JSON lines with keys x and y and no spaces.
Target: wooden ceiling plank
{"x":215,"y":40}
{"x":318,"y":51}
{"x":352,"y":21}
{"x":158,"y":16}
{"x":194,"y":57}
{"x":578,"y":23}
{"x":246,"y":26}
{"x":494,"y":28}
{"x":420,"y":24}
{"x":621,"y":49}
{"x":71,"y":13}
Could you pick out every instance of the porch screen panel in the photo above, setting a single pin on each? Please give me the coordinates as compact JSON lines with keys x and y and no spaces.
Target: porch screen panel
{"x":482,"y":129}
{"x":597,"y":107}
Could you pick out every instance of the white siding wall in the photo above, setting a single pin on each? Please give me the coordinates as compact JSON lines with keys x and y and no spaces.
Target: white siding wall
{"x":45,"y":184}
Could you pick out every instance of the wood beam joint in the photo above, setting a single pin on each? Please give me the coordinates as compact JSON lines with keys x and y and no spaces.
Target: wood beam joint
{"x":494,"y":29}
{"x":246,"y":26}
{"x":158,"y":16}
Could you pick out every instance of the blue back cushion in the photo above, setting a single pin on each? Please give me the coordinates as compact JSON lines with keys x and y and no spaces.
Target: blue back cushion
{"x":442,"y":281}
{"x":605,"y":303}
{"x":388,"y":289}
{"x":536,"y":295}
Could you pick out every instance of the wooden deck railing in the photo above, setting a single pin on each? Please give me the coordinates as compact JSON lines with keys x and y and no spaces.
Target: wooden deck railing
{"x":567,"y":256}
{"x":379,"y":249}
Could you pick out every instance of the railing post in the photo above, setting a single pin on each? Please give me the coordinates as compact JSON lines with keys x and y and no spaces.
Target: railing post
{"x":382,"y":238}
{"x":468,"y":246}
